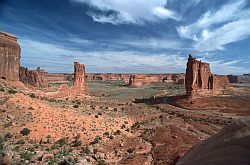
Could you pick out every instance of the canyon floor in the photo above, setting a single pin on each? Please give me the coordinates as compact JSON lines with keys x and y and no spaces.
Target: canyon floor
{"x":113,"y":124}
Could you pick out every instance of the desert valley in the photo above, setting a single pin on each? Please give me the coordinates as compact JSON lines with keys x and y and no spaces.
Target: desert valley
{"x":124,"y":82}
{"x":84,"y":118}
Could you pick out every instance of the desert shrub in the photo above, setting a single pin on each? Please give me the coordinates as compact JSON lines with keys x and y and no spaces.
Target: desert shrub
{"x":8,"y":124}
{"x":135,"y":125}
{"x":86,"y":150}
{"x":131,"y":150}
{"x":118,"y":132}
{"x":76,"y":106}
{"x":2,"y":89}
{"x":106,"y":133}
{"x":32,"y":95}
{"x":52,"y":162}
{"x":101,"y":162}
{"x":97,"y":139}
{"x":77,"y":143}
{"x":123,"y":126}
{"x":62,"y":141}
{"x":25,"y":131}
{"x":26,"y":155}
{"x":8,"y":136}
{"x":65,"y":152}
{"x":12,"y":91}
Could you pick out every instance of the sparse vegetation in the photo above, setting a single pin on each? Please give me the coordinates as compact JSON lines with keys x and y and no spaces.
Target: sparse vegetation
{"x":76,"y":106}
{"x":62,"y":141}
{"x":25,"y":131}
{"x":12,"y":91}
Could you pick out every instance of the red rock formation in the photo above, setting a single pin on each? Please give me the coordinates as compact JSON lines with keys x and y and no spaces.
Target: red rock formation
{"x":200,"y":81}
{"x":33,"y":77}
{"x":80,"y":81}
{"x":10,"y":57}
{"x":136,"y":80}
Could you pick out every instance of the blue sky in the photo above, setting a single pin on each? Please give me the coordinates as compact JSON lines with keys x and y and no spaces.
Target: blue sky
{"x":130,"y":36}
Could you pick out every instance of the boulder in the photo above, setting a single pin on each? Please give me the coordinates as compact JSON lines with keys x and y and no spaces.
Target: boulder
{"x":231,"y":146}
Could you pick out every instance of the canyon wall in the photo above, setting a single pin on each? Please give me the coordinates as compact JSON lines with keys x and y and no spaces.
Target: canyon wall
{"x":33,"y":77}
{"x":10,"y":57}
{"x":199,"y":80}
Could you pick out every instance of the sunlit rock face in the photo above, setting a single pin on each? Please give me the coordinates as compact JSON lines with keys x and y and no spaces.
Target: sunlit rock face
{"x":10,"y":57}
{"x":80,"y":81}
{"x":199,"y":80}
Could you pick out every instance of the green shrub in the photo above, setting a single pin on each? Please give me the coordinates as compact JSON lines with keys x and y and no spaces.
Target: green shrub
{"x":62,"y":141}
{"x":131,"y":150}
{"x":8,"y":136}
{"x":86,"y":150}
{"x":77,"y":143}
{"x":32,"y":95}
{"x":12,"y":91}
{"x":101,"y":162}
{"x":26,"y":155}
{"x":25,"y":131}
{"x":76,"y":106}
{"x":118,"y":132}
{"x":8,"y":124}
{"x":2,"y":90}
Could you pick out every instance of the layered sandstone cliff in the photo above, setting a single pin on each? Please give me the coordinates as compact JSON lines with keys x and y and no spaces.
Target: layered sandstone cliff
{"x":10,"y":57}
{"x":33,"y":77}
{"x":200,"y":81}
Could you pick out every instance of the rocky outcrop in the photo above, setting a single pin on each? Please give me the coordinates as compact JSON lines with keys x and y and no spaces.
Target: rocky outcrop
{"x":233,"y":78}
{"x":33,"y":77}
{"x":136,"y":80}
{"x":199,"y":80}
{"x":10,"y":57}
{"x":80,"y":81}
{"x":231,"y":146}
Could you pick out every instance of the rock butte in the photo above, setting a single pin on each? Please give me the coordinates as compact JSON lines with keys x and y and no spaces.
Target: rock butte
{"x":199,"y":80}
{"x":33,"y":77}
{"x":10,"y":57}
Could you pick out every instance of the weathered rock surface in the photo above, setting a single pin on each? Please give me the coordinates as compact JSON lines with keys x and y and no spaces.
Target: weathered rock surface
{"x":10,"y":57}
{"x":33,"y":77}
{"x":199,"y":80}
{"x":80,"y":81}
{"x":231,"y":146}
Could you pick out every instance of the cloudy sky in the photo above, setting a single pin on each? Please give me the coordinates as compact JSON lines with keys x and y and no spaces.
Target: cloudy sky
{"x":128,"y":36}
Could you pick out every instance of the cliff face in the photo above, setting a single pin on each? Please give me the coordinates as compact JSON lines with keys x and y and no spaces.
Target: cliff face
{"x":33,"y":77}
{"x":200,"y":81}
{"x":10,"y":57}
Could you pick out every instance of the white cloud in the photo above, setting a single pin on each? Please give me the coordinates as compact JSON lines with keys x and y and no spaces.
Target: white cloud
{"x":129,"y":11}
{"x":217,"y":28}
{"x":153,"y":43}
{"x":55,"y":58}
